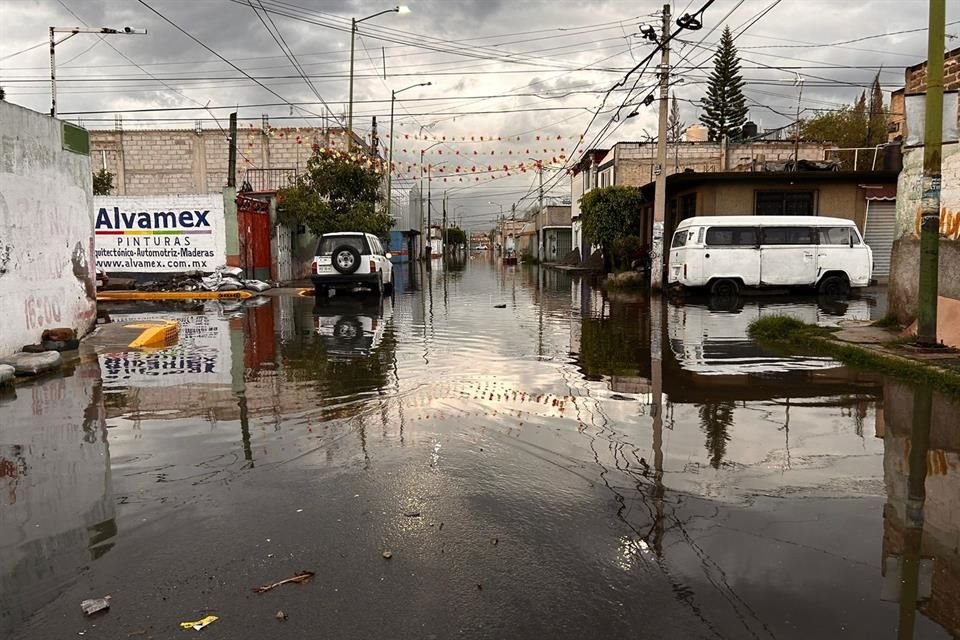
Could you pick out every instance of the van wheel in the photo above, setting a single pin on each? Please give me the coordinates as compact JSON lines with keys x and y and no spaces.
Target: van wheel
{"x":834,"y":286}
{"x":725,"y":288}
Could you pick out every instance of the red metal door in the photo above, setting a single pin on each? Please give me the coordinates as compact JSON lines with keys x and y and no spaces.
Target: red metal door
{"x":253,"y":220}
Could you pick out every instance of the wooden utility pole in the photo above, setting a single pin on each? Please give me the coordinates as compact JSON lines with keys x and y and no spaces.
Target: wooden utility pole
{"x":930,"y":187}
{"x":443,"y":232}
{"x":232,"y":161}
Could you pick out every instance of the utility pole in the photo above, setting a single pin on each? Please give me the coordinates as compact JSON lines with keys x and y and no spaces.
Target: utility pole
{"x":429,"y":211}
{"x":796,"y":130}
{"x":443,"y":234}
{"x":540,"y":218}
{"x":930,"y":187}
{"x":660,"y":193}
{"x":232,"y":159}
{"x":72,"y":31}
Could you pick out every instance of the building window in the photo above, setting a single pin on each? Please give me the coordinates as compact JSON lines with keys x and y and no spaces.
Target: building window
{"x":586,"y":180}
{"x":784,"y":203}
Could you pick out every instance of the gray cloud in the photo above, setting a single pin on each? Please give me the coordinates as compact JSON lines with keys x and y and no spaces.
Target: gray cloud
{"x":527,"y":31}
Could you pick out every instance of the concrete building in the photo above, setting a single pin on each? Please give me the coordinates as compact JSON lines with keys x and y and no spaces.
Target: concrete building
{"x":906,"y":122}
{"x":914,"y":82}
{"x":47,"y":268}
{"x":634,"y":164}
{"x":181,"y":161}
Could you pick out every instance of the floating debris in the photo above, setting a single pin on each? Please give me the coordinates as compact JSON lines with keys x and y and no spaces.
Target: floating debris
{"x":198,"y":625}
{"x":95,"y":605}
{"x":387,"y":554}
{"x":301,"y":578}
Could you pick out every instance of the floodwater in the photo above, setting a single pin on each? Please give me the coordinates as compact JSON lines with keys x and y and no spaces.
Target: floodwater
{"x":575,"y":465}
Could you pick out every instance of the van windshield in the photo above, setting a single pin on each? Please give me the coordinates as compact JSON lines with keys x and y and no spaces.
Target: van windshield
{"x":329,"y":243}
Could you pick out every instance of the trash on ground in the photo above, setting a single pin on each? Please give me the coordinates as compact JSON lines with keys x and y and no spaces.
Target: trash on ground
{"x":301,"y":578}
{"x":94,"y":605}
{"x":221,"y":279}
{"x":59,"y":333}
{"x":256,"y":285}
{"x":7,"y":373}
{"x":197,"y":625}
{"x":387,"y":554}
{"x":494,"y":541}
{"x":60,"y":345}
{"x":31,"y":364}
{"x":281,"y":616}
{"x":499,"y":306}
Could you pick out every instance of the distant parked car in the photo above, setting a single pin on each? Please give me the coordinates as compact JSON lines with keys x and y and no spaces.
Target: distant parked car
{"x":347,"y":260}
{"x":725,"y":254}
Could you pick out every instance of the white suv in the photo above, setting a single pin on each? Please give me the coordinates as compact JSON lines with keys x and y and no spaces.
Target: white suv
{"x":348,"y":260}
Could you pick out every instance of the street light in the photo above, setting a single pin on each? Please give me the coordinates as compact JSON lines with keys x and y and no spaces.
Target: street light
{"x":400,"y":9}
{"x":72,"y":31}
{"x":393,"y":99}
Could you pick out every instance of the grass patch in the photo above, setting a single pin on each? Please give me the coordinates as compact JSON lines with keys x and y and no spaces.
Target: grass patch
{"x":796,"y":336}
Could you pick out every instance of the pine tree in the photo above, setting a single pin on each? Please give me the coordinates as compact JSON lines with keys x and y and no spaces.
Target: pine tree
{"x":876,"y":119}
{"x":725,"y":106}
{"x":675,"y":126}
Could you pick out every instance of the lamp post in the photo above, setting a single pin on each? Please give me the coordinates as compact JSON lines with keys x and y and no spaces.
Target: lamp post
{"x":402,"y":10}
{"x":72,"y":31}
{"x":393,"y":99}
{"x":427,"y":248}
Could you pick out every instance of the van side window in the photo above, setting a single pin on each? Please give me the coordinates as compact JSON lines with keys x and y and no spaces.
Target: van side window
{"x":700,"y":236}
{"x":732,"y":237}
{"x":680,"y":239}
{"x":835,"y":235}
{"x":788,"y":235}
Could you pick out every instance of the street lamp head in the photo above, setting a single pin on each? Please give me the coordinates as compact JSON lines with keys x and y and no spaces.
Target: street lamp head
{"x":402,"y":9}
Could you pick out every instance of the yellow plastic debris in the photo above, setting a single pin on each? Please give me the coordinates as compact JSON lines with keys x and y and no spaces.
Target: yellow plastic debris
{"x":156,"y":334}
{"x":197,"y":625}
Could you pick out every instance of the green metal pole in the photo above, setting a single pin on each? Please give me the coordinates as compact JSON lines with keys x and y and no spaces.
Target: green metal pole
{"x":930,"y":201}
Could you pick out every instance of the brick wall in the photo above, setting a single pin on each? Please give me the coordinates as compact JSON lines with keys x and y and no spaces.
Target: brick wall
{"x":178,"y":161}
{"x":915,"y":80}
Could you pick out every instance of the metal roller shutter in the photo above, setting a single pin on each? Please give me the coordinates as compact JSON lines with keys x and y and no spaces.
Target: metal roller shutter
{"x":880,"y":228}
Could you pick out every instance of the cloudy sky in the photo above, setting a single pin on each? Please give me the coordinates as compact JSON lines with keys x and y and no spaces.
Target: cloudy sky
{"x":499,"y":69}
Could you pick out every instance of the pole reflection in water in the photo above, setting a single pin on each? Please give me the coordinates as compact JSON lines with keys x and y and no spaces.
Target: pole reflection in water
{"x":916,"y":497}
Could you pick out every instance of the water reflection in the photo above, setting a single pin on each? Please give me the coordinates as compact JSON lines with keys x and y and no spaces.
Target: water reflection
{"x":669,"y":458}
{"x":921,"y":519}
{"x":56,"y":496}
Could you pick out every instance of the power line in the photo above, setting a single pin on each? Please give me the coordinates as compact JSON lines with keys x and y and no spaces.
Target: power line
{"x":287,"y":51}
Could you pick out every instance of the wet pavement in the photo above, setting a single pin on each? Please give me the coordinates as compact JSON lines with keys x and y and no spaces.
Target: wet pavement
{"x":575,"y":465}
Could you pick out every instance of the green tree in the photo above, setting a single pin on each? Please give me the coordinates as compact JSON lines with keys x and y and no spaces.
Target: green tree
{"x":725,"y":106}
{"x":876,"y":116}
{"x":611,"y":214}
{"x":455,"y":236}
{"x":338,"y":192}
{"x":858,"y":125}
{"x":102,"y":183}
{"x":675,"y":125}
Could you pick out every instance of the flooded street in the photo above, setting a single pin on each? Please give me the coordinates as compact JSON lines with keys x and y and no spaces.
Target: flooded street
{"x":577,"y":464}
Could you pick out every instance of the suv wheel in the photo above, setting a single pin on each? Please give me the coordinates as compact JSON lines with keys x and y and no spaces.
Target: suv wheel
{"x":345,"y":259}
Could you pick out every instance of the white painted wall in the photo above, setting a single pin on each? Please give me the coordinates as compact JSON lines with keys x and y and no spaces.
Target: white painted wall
{"x":160,"y":234}
{"x":46,"y":231}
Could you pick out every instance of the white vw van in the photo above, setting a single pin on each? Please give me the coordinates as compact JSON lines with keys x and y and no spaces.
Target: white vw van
{"x":727,"y":253}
